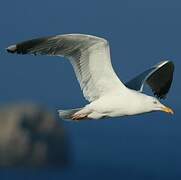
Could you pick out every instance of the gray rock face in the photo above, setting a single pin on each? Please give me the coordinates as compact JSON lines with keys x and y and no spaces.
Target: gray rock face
{"x":30,"y":136}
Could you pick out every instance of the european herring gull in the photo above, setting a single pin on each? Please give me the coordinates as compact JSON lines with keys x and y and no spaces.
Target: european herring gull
{"x":107,"y":95}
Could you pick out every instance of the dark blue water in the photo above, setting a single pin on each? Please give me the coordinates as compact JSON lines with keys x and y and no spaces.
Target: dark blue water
{"x":141,"y":34}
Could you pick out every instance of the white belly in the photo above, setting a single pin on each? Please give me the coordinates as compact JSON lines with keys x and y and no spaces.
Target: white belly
{"x":115,"y":106}
{"x":107,"y":107}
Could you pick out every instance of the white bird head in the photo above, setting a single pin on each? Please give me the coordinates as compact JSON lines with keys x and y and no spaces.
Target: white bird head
{"x":153,"y":104}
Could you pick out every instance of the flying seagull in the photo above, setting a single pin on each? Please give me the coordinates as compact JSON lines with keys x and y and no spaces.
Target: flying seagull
{"x":107,"y":95}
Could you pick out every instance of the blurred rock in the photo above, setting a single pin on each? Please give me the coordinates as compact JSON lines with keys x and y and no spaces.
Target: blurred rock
{"x":30,"y":136}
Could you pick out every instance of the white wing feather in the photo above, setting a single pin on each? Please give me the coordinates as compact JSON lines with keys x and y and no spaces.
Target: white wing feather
{"x":89,"y":55}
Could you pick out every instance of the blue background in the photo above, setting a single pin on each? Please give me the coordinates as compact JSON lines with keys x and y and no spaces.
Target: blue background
{"x":141,"y":33}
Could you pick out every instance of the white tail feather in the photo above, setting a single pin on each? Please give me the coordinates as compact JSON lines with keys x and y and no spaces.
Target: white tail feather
{"x":68,"y":114}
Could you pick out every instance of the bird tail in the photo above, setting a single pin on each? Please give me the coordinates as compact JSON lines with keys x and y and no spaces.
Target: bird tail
{"x":68,"y":114}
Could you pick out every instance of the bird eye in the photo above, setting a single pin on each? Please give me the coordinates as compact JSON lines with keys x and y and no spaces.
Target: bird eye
{"x":154,"y":102}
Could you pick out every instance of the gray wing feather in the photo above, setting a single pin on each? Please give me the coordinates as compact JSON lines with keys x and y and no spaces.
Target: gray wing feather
{"x":158,"y":77}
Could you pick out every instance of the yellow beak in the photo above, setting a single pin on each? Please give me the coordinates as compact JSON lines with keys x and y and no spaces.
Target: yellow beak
{"x":167,"y":110}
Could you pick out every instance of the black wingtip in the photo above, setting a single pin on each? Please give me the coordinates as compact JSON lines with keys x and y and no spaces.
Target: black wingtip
{"x":160,"y":81}
{"x":11,"y":49}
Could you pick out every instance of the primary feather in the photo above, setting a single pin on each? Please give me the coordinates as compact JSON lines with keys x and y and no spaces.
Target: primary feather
{"x":158,"y":77}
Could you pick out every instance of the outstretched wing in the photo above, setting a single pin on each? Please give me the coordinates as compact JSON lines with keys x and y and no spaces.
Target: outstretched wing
{"x":89,"y":55}
{"x":158,"y":77}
